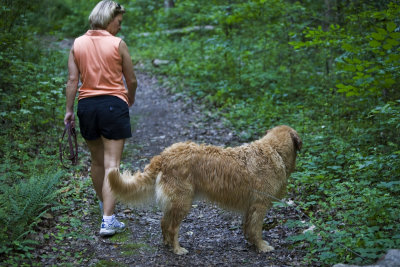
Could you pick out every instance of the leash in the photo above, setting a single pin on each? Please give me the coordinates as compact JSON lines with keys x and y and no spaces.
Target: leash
{"x":72,"y":145}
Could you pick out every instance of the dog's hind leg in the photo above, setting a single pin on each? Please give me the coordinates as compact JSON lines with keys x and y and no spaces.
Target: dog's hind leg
{"x":177,"y":207}
{"x":252,"y":226}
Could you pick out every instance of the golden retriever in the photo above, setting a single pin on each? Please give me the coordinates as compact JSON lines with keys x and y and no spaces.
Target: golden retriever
{"x":246,"y":178}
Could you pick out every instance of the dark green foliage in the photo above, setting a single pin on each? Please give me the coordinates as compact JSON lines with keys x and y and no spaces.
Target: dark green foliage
{"x":352,"y":199}
{"x":75,"y":22}
{"x":329,"y":69}
{"x":21,"y":206}
{"x":32,"y":108}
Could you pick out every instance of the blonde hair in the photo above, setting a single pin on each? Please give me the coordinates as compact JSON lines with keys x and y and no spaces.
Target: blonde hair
{"x":103,"y":13}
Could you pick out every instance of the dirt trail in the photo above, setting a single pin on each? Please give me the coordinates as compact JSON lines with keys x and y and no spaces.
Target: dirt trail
{"x":212,"y":236}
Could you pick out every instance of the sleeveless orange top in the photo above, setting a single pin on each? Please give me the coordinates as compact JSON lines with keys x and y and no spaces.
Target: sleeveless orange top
{"x":100,"y":65}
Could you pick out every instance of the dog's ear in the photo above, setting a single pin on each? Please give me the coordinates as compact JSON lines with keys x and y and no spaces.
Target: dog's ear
{"x":296,"y":141}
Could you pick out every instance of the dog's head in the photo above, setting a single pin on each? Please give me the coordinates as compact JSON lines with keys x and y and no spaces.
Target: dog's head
{"x":283,"y":132}
{"x":298,"y":144}
{"x":286,"y":141}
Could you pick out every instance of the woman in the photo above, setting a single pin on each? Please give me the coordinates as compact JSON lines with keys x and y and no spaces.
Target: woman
{"x":101,"y":61}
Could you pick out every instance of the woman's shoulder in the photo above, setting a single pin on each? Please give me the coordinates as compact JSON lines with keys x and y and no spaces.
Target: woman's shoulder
{"x":82,"y":37}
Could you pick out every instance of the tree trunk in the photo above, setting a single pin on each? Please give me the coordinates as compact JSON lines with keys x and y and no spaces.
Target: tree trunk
{"x":328,"y":14}
{"x":169,"y":4}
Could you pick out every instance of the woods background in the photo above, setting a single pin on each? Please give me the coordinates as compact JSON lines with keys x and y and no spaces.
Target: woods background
{"x":330,"y":69}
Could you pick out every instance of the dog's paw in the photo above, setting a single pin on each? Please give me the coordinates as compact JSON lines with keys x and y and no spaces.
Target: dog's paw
{"x":180,"y":251}
{"x":264,"y":247}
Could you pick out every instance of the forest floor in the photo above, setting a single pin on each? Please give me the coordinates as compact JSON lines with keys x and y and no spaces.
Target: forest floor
{"x":213,"y":236}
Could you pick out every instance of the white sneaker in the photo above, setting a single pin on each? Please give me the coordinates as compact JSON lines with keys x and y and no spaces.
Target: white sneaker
{"x":108,"y":229}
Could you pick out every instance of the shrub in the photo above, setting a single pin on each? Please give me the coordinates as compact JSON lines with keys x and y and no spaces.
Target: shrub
{"x":21,"y":207}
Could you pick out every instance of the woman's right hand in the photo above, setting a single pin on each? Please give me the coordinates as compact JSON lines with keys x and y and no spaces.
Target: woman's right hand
{"x":69,"y":118}
{"x":72,"y":87}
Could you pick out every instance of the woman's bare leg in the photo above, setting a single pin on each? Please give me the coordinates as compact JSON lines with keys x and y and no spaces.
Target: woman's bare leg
{"x":112,"y":158}
{"x":97,"y":166}
{"x":105,"y":154}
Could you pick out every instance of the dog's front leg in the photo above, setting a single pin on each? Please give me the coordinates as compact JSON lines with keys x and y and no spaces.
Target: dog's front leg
{"x":170,"y":225}
{"x":170,"y":235}
{"x":252,"y":227}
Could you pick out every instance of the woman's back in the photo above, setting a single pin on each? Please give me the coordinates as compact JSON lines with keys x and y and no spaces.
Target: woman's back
{"x":100,"y":65}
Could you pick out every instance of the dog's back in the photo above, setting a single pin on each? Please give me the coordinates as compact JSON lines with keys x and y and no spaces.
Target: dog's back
{"x":231,"y":177}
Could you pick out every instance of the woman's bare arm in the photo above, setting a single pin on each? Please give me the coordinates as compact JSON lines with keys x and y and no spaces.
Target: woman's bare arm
{"x":72,"y":87}
{"x":129,"y":74}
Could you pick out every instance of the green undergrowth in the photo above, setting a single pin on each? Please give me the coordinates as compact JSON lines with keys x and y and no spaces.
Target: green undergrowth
{"x":329,"y":70}
{"x":126,"y":246}
{"x":135,"y":248}
{"x":333,"y":78}
{"x":351,"y":200}
{"x":22,"y":206}
{"x":32,"y":106}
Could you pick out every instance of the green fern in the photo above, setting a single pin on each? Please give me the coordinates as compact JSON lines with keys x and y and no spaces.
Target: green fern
{"x":21,"y":206}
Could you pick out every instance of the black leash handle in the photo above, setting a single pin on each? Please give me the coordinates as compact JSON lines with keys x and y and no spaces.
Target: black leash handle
{"x":72,"y":145}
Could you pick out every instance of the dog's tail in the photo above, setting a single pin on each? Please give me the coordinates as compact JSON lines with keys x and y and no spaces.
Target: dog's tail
{"x":137,"y":188}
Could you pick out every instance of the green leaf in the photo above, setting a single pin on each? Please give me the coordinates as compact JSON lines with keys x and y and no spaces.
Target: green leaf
{"x":393,"y":42}
{"x":382,"y":32}
{"x":390,"y":26}
{"x":352,"y":93}
{"x":360,"y":68}
{"x":395,"y":35}
{"x":350,"y":68}
{"x":389,"y":82}
{"x":375,"y":44}
{"x":378,"y":36}
{"x":393,"y":57}
{"x":348,"y":47}
{"x":387,"y":46}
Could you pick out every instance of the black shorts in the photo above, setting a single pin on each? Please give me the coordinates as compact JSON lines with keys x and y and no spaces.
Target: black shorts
{"x":106,"y":116}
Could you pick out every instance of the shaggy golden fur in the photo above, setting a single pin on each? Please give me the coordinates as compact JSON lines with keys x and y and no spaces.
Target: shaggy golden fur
{"x":240,"y":178}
